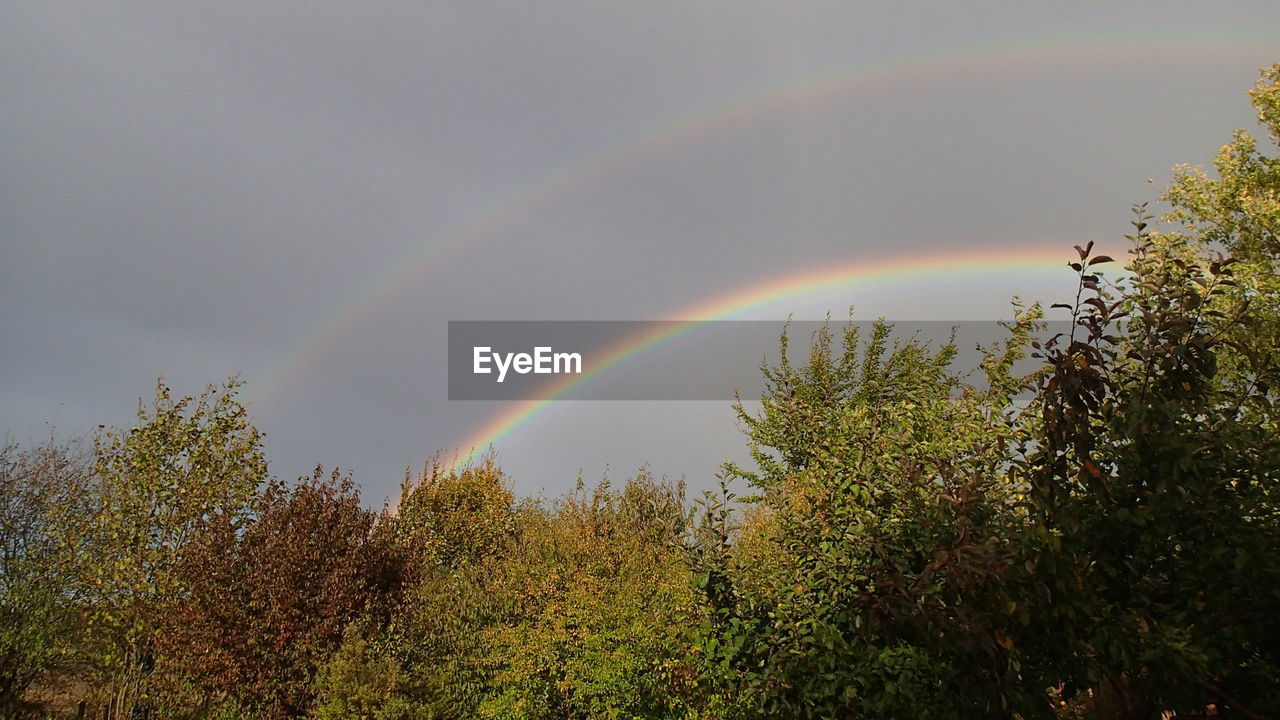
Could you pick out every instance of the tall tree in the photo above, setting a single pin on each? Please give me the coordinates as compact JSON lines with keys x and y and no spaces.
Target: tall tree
{"x":445,"y":531}
{"x":876,"y":578}
{"x":588,"y":609}
{"x":184,"y":462}
{"x":262,"y":606}
{"x":1157,"y":454}
{"x":44,"y":507}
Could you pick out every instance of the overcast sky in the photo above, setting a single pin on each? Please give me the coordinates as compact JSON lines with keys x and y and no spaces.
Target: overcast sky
{"x":305,"y":193}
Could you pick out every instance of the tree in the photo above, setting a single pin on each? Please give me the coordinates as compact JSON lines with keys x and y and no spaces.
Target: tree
{"x":924,"y":548}
{"x":264,"y":605}
{"x":186,"y":461}
{"x":446,"y":529}
{"x":1238,"y":213}
{"x":44,"y":506}
{"x":528,"y":611}
{"x":879,"y":574}
{"x":451,"y":519}
{"x":588,"y":608}
{"x":361,"y":682}
{"x":1156,"y":455}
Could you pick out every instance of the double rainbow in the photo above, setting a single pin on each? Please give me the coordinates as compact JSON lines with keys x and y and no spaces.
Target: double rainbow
{"x":1030,"y":56}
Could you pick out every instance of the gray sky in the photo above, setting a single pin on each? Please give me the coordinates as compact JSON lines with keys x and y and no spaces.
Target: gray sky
{"x":304,"y":193}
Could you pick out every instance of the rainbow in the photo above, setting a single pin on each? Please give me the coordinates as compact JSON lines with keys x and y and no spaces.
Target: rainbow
{"x":797,"y":96}
{"x":735,"y":303}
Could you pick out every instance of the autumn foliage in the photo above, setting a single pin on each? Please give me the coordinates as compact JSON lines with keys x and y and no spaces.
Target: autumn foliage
{"x":266,"y":604}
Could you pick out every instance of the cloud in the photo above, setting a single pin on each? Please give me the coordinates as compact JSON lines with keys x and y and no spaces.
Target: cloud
{"x":194,"y":190}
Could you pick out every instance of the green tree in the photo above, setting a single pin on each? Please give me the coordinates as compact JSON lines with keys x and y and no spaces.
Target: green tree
{"x":1238,"y":213}
{"x":591,"y":603}
{"x":878,"y":579}
{"x":925,"y":548}
{"x":1154,"y":467}
{"x":449,"y":519}
{"x":576,"y":609}
{"x":44,"y":505}
{"x":446,"y":529}
{"x":362,"y":683}
{"x":186,"y":461}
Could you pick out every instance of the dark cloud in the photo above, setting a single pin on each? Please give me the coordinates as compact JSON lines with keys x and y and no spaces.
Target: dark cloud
{"x":196,"y":189}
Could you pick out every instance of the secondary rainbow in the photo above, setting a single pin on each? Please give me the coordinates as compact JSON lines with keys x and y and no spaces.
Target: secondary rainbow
{"x":1031,"y":55}
{"x":734,"y":303}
